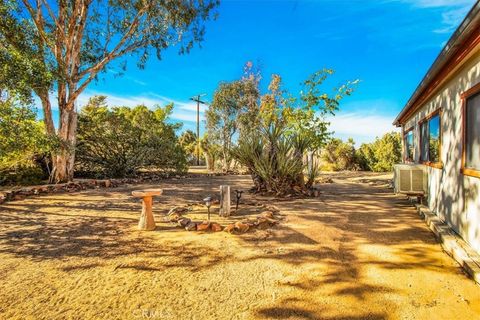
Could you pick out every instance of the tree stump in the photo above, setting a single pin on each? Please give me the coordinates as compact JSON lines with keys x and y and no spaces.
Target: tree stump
{"x":224,"y":201}
{"x":146,"y":221}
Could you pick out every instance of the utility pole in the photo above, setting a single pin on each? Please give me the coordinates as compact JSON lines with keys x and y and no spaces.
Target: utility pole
{"x":197,"y":99}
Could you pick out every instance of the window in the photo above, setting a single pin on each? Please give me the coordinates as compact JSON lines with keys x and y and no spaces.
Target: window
{"x":471,"y":138}
{"x":408,"y":140}
{"x":430,"y":140}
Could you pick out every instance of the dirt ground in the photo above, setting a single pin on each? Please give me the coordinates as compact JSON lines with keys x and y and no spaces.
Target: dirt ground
{"x":355,"y":252}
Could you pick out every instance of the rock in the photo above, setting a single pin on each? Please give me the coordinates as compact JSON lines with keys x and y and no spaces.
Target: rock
{"x":241,"y":227}
{"x":297,"y":189}
{"x":267,"y":214}
{"x":26,"y":191}
{"x":204,"y":226}
{"x":175,"y":217}
{"x":18,"y":197}
{"x":262,"y":223}
{"x":191,"y":226}
{"x":177,"y":210}
{"x":183,"y":222}
{"x":58,"y":187}
{"x":229,"y":228}
{"x":250,"y":223}
{"x":215,"y":227}
{"x":273,"y":209}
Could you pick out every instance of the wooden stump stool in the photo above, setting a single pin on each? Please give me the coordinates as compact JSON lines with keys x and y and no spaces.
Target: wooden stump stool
{"x":146,"y":219}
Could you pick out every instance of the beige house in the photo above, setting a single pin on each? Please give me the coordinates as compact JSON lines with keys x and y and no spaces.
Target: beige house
{"x":441,"y":130}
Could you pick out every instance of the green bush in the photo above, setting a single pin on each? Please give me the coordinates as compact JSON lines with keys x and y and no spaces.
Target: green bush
{"x":379,"y":156}
{"x":382,"y":154}
{"x":119,"y":141}
{"x":22,"y":142}
{"x":338,"y":155}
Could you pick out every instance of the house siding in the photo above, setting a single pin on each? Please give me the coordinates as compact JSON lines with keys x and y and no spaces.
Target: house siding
{"x":454,"y":197}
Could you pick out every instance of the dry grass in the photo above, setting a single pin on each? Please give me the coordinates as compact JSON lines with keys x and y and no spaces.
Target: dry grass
{"x":357,"y":252}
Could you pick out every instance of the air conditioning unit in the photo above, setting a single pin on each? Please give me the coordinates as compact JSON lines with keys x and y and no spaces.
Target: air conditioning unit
{"x":410,"y":179}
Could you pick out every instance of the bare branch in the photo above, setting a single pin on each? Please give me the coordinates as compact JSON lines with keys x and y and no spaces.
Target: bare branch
{"x":93,"y":70}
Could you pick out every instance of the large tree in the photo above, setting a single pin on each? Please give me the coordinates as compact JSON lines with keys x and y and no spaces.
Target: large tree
{"x":234,"y":111}
{"x":63,"y":45}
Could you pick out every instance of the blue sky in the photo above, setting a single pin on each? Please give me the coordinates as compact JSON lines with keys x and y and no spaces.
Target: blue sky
{"x":387,"y":44}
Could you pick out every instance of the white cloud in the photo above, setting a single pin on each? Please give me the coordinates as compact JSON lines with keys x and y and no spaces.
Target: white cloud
{"x":360,"y":126}
{"x":455,"y":11}
{"x":451,"y":19}
{"x":439,"y":3}
{"x":183,"y":110}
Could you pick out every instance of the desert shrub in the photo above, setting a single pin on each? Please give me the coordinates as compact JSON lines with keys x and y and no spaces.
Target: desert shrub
{"x":338,"y":155}
{"x":188,"y":141}
{"x":22,"y":142}
{"x":382,"y":154}
{"x":270,"y":156}
{"x":118,"y":141}
{"x":387,"y":151}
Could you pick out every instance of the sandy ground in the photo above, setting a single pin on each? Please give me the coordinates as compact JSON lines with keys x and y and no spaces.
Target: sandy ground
{"x":356,"y":252}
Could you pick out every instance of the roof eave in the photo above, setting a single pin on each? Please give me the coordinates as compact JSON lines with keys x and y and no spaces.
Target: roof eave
{"x":468,"y":25}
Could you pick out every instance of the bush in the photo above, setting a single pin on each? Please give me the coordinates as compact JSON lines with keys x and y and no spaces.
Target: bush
{"x":117,"y":142}
{"x":379,"y":156}
{"x":188,"y":141}
{"x":338,"y":155}
{"x":382,"y":154}
{"x":271,"y":157}
{"x":22,"y":142}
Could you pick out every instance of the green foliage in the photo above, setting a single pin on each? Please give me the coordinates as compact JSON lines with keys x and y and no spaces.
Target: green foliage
{"x":287,"y":128}
{"x":22,"y":140}
{"x":365,"y":156}
{"x":338,"y":155}
{"x":188,"y":141}
{"x":117,"y":142}
{"x":234,"y":109}
{"x":211,"y":151}
{"x":269,"y":155}
{"x":65,"y":45}
{"x":382,"y":154}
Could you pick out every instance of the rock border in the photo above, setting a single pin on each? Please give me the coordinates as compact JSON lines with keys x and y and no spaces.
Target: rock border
{"x":76,"y":185}
{"x":266,"y":219}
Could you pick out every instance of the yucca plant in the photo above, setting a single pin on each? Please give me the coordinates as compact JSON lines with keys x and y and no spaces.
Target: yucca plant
{"x":270,"y":156}
{"x":312,"y":173}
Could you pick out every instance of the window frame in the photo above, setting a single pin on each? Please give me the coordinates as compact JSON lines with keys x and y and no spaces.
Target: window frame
{"x":464,"y":96}
{"x":405,"y":154}
{"x":439,"y":164}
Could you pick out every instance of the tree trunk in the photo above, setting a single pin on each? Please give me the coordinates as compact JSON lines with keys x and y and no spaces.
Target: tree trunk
{"x":209,"y":161}
{"x":65,"y":157}
{"x":47,"y":112}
